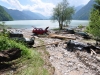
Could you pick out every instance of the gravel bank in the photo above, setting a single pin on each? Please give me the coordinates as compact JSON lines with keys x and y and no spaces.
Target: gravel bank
{"x":71,"y":63}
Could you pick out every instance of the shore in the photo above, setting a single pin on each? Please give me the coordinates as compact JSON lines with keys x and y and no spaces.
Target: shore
{"x":65,"y":62}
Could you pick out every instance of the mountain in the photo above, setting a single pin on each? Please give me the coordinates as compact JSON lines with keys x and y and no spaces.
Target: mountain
{"x":34,"y":15}
{"x":84,"y":12}
{"x":17,"y":15}
{"x":78,"y":8}
{"x":40,"y":15}
{"x":23,"y":15}
{"x":4,"y":16}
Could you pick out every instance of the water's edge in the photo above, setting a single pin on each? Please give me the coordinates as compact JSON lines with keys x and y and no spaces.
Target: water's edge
{"x":29,"y":24}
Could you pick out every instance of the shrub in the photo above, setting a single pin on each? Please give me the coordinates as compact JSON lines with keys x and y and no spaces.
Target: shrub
{"x":6,"y":43}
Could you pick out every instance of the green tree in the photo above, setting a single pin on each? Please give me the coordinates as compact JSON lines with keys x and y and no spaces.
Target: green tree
{"x":94,"y":24}
{"x":62,"y":13}
{"x":4,"y":16}
{"x":4,"y":29}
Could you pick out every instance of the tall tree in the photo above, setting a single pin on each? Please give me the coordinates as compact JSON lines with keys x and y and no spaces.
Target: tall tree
{"x":62,"y":13}
{"x":94,"y":24}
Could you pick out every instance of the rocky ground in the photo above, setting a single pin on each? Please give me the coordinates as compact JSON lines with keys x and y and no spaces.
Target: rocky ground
{"x":69,"y":63}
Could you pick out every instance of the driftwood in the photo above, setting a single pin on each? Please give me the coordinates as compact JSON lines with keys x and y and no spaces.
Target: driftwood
{"x":9,"y":55}
{"x":93,"y":52}
{"x":60,"y":36}
{"x":54,"y":43}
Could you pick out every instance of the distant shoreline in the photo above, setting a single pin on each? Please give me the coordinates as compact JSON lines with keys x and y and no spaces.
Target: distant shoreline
{"x":27,"y":24}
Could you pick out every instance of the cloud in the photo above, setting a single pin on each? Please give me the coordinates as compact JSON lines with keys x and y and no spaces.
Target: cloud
{"x":14,"y":4}
{"x":5,"y":1}
{"x":45,"y":8}
{"x":37,"y":6}
{"x":78,"y":2}
{"x":40,"y":6}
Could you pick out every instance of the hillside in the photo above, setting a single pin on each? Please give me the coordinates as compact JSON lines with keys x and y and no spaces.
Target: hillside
{"x":17,"y":15}
{"x":34,"y":15}
{"x":84,"y":12}
{"x":78,"y":8}
{"x":4,"y":16}
{"x":40,"y":15}
{"x":23,"y":15}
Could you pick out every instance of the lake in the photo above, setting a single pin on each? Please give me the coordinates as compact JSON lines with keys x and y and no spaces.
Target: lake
{"x":29,"y":24}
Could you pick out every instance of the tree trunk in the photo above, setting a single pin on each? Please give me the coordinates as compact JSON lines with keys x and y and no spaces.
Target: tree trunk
{"x":60,"y":27}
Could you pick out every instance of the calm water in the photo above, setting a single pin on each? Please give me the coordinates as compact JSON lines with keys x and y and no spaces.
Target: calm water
{"x":29,"y":24}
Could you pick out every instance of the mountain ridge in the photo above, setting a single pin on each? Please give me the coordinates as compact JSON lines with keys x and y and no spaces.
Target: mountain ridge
{"x":84,"y":12}
{"x":23,"y":15}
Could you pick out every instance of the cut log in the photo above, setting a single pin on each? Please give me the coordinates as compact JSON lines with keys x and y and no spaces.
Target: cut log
{"x":9,"y":55}
{"x":60,"y":36}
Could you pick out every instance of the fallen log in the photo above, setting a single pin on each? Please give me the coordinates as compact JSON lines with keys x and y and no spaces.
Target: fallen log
{"x":61,"y":37}
{"x":54,"y":43}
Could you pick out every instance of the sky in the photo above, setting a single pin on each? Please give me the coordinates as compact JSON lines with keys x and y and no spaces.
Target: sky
{"x":43,"y":7}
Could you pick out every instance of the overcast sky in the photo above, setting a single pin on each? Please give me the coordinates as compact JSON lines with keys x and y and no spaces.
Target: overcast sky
{"x":40,"y":6}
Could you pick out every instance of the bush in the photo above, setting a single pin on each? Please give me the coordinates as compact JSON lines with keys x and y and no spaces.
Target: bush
{"x":6,"y":43}
{"x":80,"y":26}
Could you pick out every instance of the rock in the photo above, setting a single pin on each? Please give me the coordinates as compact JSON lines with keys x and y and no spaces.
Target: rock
{"x":98,"y":58}
{"x":70,"y":63}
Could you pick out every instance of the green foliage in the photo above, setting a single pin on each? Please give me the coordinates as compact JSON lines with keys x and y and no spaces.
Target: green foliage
{"x":80,"y":26}
{"x":94,"y":24}
{"x":6,"y":43}
{"x":31,"y":59}
{"x":4,"y":16}
{"x":4,"y":29}
{"x":62,"y":12}
{"x":97,"y":5}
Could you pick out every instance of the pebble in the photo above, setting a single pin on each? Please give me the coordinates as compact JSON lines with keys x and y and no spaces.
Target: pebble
{"x":67,"y":63}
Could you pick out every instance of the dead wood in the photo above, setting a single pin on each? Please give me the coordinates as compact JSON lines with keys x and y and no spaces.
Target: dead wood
{"x":60,"y":36}
{"x":93,"y":52}
{"x":54,"y":43}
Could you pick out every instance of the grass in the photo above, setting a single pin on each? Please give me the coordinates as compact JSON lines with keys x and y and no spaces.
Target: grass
{"x":56,"y":29}
{"x":30,"y":62}
{"x":45,"y":56}
{"x":6,"y":43}
{"x":33,"y":66}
